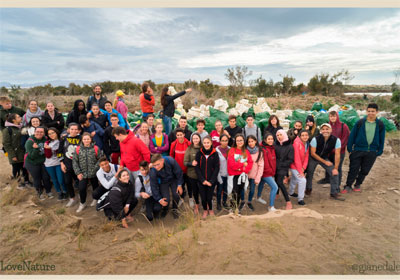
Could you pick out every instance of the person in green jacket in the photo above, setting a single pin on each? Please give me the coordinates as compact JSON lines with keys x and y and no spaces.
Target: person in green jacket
{"x":12,"y":146}
{"x":8,"y":108}
{"x":34,"y":162}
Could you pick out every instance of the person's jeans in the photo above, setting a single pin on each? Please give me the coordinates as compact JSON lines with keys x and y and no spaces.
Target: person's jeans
{"x":222,"y":188}
{"x":167,"y":124}
{"x":57,"y":177}
{"x":332,"y":159}
{"x":361,"y":163}
{"x":274,"y":188}
{"x":334,"y":180}
{"x":252,"y":186}
{"x":296,"y":180}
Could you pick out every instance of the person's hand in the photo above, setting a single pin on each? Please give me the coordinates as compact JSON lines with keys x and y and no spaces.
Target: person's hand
{"x":126,"y":209}
{"x":63,"y":167}
{"x":307,"y":127}
{"x":194,"y":163}
{"x":179,"y":190}
{"x":301,"y":175}
{"x":35,"y":146}
{"x":150,"y":91}
{"x":245,"y":164}
{"x":257,"y":182}
{"x":88,"y":115}
{"x":335,"y":172}
{"x":93,"y":133}
{"x":150,"y":165}
{"x":14,"y":159}
{"x":46,"y":146}
{"x":80,"y":177}
{"x":296,"y":131}
{"x":124,"y":223}
{"x":58,"y":122}
{"x":163,"y":202}
{"x":189,"y":90}
{"x":328,"y":163}
{"x":227,"y":133}
{"x":144,"y":195}
{"x":285,"y":179}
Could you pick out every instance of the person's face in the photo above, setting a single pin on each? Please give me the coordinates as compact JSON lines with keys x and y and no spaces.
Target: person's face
{"x":105,"y":165}
{"x":218,"y":126}
{"x":250,"y":121}
{"x":143,"y":171}
{"x":149,"y":89}
{"x":150,"y":121}
{"x":35,"y":122}
{"x":239,"y":142}
{"x":304,"y":137}
{"x":232,"y":123}
{"x":114,"y":121}
{"x":224,"y":142}
{"x":279,"y":136}
{"x":33,"y":106}
{"x":124,"y":177}
{"x":196,"y":140}
{"x":86,"y":124}
{"x":274,"y":121}
{"x":200,"y":126}
{"x":95,"y":110}
{"x":81,"y":106}
{"x":52,"y":135}
{"x":298,"y":125}
{"x":7,"y":105}
{"x":182,"y":123}
{"x":159,"y":164}
{"x":371,"y":113}
{"x":39,"y":133}
{"x":86,"y":140}
{"x":207,"y":143}
{"x":144,"y":128}
{"x":310,"y":123}
{"x":159,"y":128}
{"x":73,"y":131}
{"x":252,"y":143}
{"x":17,"y":119}
{"x":270,"y":140}
{"x":97,"y":90}
{"x":50,"y":107}
{"x":180,"y":136}
{"x":108,"y":107}
{"x":326,"y":131}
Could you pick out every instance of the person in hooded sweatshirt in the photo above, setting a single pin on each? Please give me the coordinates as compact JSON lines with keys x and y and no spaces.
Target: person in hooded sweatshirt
{"x":207,"y":171}
{"x":252,"y":129}
{"x":98,"y":116}
{"x":52,"y":118}
{"x":299,"y":166}
{"x":96,"y":98}
{"x":284,"y":158}
{"x":33,"y":111}
{"x":77,"y":111}
{"x":341,"y":131}
{"x":95,"y":130}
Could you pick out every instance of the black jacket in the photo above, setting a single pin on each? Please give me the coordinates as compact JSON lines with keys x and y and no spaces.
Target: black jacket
{"x":232,"y":132}
{"x":207,"y":169}
{"x":172,"y":135}
{"x":272,"y":130}
{"x":169,"y":109}
{"x":92,"y":99}
{"x":120,"y":195}
{"x":74,"y":115}
{"x":110,"y":143}
{"x":284,"y":157}
{"x":101,"y":120}
{"x":58,"y":121}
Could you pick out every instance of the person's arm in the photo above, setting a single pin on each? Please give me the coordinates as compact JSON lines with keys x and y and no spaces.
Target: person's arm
{"x":175,"y":96}
{"x":122,"y":122}
{"x":62,"y":122}
{"x":260,"y":168}
{"x":75,"y":163}
{"x":106,"y":184}
{"x":307,"y":157}
{"x":30,"y":150}
{"x":155,"y":187}
{"x":259,"y":135}
{"x":138,"y":187}
{"x":7,"y":143}
{"x":172,"y":150}
{"x":89,"y":104}
{"x":382,"y":133}
{"x":214,"y":176}
{"x":297,"y":157}
{"x":152,"y":147}
{"x":232,"y":163}
{"x":338,"y":148}
{"x":249,"y":163}
{"x":70,"y":118}
{"x":345,"y":135}
{"x":98,"y":129}
{"x":186,"y":158}
{"x":200,"y":176}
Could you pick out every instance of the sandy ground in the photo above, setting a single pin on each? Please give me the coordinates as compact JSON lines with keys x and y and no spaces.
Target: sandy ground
{"x":324,"y":237}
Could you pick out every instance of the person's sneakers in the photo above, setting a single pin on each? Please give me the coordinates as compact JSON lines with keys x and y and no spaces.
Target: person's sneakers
{"x":191,"y":202}
{"x":205,"y":214}
{"x":272,"y":209}
{"x":64,"y":196}
{"x":241,"y":206}
{"x":301,"y":202}
{"x":180,"y":202}
{"x":175,"y":213}
{"x":42,"y":196}
{"x":50,"y":195}
{"x":357,"y":189}
{"x":308,"y":191}
{"x":262,"y":201}
{"x":288,"y":205}
{"x":294,"y":195}
{"x":71,"y":202}
{"x":346,"y":190}
{"x":219,"y":207}
{"x":164,"y":213}
{"x":94,"y":202}
{"x":81,"y":207}
{"x":226,"y":206}
{"x":211,"y":213}
{"x":60,"y":197}
{"x":21,"y":186}
{"x":337,"y":196}
{"x":323,"y":181}
{"x":250,"y":206}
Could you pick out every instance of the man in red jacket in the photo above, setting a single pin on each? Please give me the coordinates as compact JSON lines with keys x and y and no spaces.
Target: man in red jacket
{"x":133,"y":150}
{"x":146,"y":99}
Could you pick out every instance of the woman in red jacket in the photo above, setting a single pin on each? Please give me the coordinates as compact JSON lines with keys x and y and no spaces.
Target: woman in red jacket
{"x":268,"y":176}
{"x":299,"y":165}
{"x":215,"y":134}
{"x":239,"y":165}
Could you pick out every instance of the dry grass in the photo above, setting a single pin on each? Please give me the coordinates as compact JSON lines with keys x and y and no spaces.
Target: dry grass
{"x":13,"y":196}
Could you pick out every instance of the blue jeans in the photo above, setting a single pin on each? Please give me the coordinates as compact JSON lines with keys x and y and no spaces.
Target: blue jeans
{"x":252,"y":186}
{"x":145,"y":115}
{"x":57,"y":177}
{"x":167,"y":124}
{"x":220,"y":188}
{"x":274,"y":188}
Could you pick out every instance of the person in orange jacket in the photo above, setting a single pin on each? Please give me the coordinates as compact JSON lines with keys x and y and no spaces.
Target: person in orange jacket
{"x":146,"y":99}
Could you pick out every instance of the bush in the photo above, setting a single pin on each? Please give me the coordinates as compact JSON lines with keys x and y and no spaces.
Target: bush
{"x":396,"y":97}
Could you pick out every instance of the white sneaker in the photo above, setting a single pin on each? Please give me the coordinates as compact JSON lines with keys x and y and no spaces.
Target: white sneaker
{"x":272,"y":209}
{"x":42,"y":197}
{"x":180,"y":202}
{"x":50,"y":195}
{"x":81,"y":207}
{"x":191,"y":202}
{"x":94,"y":202}
{"x":262,"y":201}
{"x":70,"y":202}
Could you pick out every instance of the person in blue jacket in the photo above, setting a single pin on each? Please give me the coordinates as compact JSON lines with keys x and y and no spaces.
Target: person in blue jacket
{"x":366,"y":142}
{"x":95,"y":130}
{"x":108,"y":111}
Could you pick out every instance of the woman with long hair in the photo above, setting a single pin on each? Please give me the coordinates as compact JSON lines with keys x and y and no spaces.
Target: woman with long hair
{"x":77,"y":111}
{"x":53,"y":118}
{"x":222,"y":187}
{"x":119,"y":104}
{"x":311,"y":126}
{"x":143,"y":133}
{"x":159,"y":141}
{"x":32,"y":111}
{"x":273,"y":126}
{"x":215,"y":134}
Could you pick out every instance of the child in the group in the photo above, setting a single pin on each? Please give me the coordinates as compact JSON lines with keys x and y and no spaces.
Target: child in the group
{"x":111,"y":144}
{"x":53,"y":118}
{"x":94,"y":129}
{"x":119,"y":104}
{"x":252,"y":129}
{"x":98,"y":116}
{"x":222,"y":187}
{"x":77,"y":111}
{"x":143,"y":133}
{"x":159,"y":141}
{"x":53,"y":164}
{"x":107,"y":176}
{"x":85,"y":162}
{"x":256,"y":171}
{"x":143,"y":190}
{"x":207,"y":171}
{"x":273,"y":126}
{"x":33,"y":111}
{"x":14,"y":149}
{"x":239,"y":165}
{"x":284,"y":158}
{"x":299,"y":166}
{"x":232,"y":129}
{"x":200,"y":125}
{"x":215,"y":134}
{"x":191,"y":163}
{"x":6,"y":109}
{"x":269,"y":171}
{"x":121,"y":199}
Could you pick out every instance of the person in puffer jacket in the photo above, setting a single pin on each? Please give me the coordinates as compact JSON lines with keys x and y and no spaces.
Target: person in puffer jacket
{"x":85,"y":163}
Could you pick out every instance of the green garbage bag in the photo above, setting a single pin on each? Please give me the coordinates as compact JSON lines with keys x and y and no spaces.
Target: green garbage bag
{"x":240,"y":122}
{"x":389,"y":124}
{"x":191,"y":128}
{"x":351,"y":121}
{"x":192,"y":123}
{"x":317,"y":106}
{"x":65,"y":116}
{"x":219,"y":115}
{"x":262,"y":124}
{"x":321,"y":118}
{"x":249,"y":112}
{"x":263,"y":115}
{"x":210,"y":124}
{"x":174,"y":123}
{"x":300,"y":115}
{"x":178,"y":113}
{"x":349,"y":117}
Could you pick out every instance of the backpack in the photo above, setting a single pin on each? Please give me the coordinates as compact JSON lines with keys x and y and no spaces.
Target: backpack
{"x":104,"y":201}
{"x":96,"y":150}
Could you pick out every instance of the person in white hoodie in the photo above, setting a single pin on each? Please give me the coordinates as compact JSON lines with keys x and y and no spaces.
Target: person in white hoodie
{"x":143,"y":190}
{"x":222,"y":187}
{"x":107,"y":176}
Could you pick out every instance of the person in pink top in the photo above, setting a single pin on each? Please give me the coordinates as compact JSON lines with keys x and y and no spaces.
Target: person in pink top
{"x":256,"y":171}
{"x":239,"y":165}
{"x":119,"y":104}
{"x":299,"y":165}
{"x":216,"y":134}
{"x":143,"y":133}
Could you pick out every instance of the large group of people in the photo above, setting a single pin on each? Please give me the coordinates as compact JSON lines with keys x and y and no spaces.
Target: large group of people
{"x":157,"y":166}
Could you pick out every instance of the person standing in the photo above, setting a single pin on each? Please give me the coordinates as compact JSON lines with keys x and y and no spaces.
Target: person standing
{"x":252,"y":129}
{"x":33,"y":111}
{"x":111,"y":144}
{"x":182,"y":124}
{"x":77,"y":111}
{"x":52,"y":118}
{"x":232,"y":129}
{"x":159,"y":143}
{"x":294,"y":131}
{"x":119,"y":104}
{"x":366,"y":143}
{"x":146,"y":99}
{"x":216,"y":134}
{"x":273,"y":126}
{"x":8,"y":108}
{"x":96,"y":98}
{"x":190,"y":161}
{"x":222,"y":187}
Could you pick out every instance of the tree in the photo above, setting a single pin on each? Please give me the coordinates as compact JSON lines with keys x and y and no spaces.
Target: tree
{"x":190,"y":84}
{"x":208,"y":88}
{"x":152,"y":84}
{"x":287,"y":84}
{"x":3,"y":90}
{"x":262,"y":88}
{"x":237,"y":77}
{"x":326,"y":84}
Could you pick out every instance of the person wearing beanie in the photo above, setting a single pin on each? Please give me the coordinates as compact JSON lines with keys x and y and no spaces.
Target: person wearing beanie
{"x":311,"y":126}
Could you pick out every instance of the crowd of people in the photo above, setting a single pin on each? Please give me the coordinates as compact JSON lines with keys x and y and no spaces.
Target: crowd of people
{"x":157,"y":166}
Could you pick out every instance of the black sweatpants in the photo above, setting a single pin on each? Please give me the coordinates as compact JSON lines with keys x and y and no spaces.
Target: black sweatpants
{"x":185,"y":179}
{"x":165,"y":192}
{"x":236,"y":191}
{"x":83,"y":184}
{"x":206,"y":194}
{"x":193,"y":189}
{"x":153,"y":208}
{"x":39,"y":175}
{"x":279,"y":181}
{"x":361,"y":163}
{"x":69,"y":179}
{"x":16,"y":171}
{"x":111,"y":215}
{"x":98,"y":192}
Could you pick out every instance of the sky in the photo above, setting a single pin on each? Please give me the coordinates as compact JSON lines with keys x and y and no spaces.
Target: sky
{"x":172,"y":45}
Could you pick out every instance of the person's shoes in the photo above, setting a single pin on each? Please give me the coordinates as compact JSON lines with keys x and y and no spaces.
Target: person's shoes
{"x":143,"y":208}
{"x":288,"y":205}
{"x":357,"y":189}
{"x":219,"y":207}
{"x":94,"y":202}
{"x":164,"y":213}
{"x":81,"y":207}
{"x":196,"y":209}
{"x":50,"y":195}
{"x":262,"y":201}
{"x":205,"y":214}
{"x":60,"y":197}
{"x":211,"y":213}
{"x":301,"y":202}
{"x":175,"y":213}
{"x":28,"y":184}
{"x":71,"y":202}
{"x":337,"y":196}
{"x":64,"y":196}
{"x":323,"y":181}
{"x":294,"y":195}
{"x":346,"y":190}
{"x":226,"y":206}
{"x":42,"y":196}
{"x":241,"y":206}
{"x":250,"y":206}
{"x":21,"y":186}
{"x":308,"y":191}
{"x":191,"y":202}
{"x":272,"y":209}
